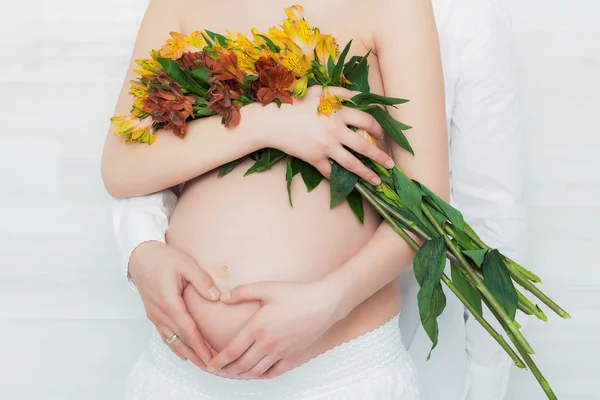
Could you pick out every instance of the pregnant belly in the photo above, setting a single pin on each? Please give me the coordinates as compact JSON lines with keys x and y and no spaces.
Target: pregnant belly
{"x":243,"y":229}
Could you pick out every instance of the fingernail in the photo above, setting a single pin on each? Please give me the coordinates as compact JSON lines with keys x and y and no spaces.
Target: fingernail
{"x":214,"y":293}
{"x":376,"y":181}
{"x":390,"y":164}
{"x":226,"y":296}
{"x":210,"y":369}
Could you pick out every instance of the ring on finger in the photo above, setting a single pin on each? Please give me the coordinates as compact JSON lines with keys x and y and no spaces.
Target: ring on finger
{"x":172,"y":339}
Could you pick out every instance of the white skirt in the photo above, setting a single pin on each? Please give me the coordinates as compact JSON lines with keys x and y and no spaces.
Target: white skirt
{"x":374,"y":366}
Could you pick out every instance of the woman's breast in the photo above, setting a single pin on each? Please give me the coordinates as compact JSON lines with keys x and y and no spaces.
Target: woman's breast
{"x":243,"y":229}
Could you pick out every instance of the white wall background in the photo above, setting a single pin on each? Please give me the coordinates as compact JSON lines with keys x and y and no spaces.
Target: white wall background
{"x":69,"y":326}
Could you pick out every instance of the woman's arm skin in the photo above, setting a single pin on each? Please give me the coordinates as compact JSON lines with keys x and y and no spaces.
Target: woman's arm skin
{"x":285,"y":325}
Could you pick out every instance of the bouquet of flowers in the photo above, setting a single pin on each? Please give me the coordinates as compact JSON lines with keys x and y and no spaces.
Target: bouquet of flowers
{"x":206,"y":73}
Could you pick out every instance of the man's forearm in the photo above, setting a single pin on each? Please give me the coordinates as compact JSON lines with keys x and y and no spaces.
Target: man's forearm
{"x":378,"y":263}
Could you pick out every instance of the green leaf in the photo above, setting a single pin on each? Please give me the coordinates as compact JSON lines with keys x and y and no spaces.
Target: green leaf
{"x":272,"y":46}
{"x":355,"y":200}
{"x":330,"y":67}
{"x":351,"y":65}
{"x":410,"y":193}
{"x":476,"y":255}
{"x":498,"y":281}
{"x":217,"y":38}
{"x":428,"y":266}
{"x":342,"y":183}
{"x":293,"y":167}
{"x":452,"y":213}
{"x":391,"y":127}
{"x":470,"y":293}
{"x":311,"y":176}
{"x":266,"y":159}
{"x":370,"y":98}
{"x":178,"y":75}
{"x":337,"y":71}
{"x":227,"y":168}
{"x":359,"y":76}
{"x":288,"y":177}
{"x":201,"y":74}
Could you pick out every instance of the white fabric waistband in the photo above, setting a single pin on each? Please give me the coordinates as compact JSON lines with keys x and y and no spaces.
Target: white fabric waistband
{"x":364,"y":357}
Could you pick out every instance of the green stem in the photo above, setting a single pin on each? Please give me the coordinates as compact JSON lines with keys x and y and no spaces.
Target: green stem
{"x":528,"y":360}
{"x":513,"y":266}
{"x":509,"y":350}
{"x":480,"y":285}
{"x":534,"y":309}
{"x":373,"y":200}
{"x":527,"y":285}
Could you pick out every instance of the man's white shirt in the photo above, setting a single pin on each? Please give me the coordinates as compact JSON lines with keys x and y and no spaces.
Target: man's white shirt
{"x":485,"y":143}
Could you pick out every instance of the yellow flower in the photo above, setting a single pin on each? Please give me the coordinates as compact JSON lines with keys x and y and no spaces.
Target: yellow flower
{"x":299,"y":36}
{"x":247,"y":52}
{"x":325,"y":48}
{"x":134,"y":128}
{"x":295,"y":12}
{"x":299,"y":64}
{"x":196,"y":39}
{"x":150,"y":68}
{"x":139,"y":90}
{"x":299,"y":86}
{"x":328,"y":102}
{"x":176,"y":46}
{"x":365,"y":134}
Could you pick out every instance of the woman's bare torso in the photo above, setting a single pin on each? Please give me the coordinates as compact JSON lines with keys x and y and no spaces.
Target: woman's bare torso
{"x":242,"y":229}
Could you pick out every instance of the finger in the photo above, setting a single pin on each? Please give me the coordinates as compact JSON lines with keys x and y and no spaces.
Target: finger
{"x":201,"y":281}
{"x":260,"y":368}
{"x":361,"y":145}
{"x":187,"y":330}
{"x":180,"y":349}
{"x":348,"y":161}
{"x":247,"y":361}
{"x":342,"y":92}
{"x":277,"y":369}
{"x":361,"y":119}
{"x":256,"y":291}
{"x":163,"y":332}
{"x":233,"y":350}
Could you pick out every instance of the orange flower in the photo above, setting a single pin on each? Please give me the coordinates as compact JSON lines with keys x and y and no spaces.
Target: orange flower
{"x":225,"y":67}
{"x":275,"y":83}
{"x":329,"y":102}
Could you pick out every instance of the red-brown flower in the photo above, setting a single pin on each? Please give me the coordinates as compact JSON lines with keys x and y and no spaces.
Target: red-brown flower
{"x":275,"y":82}
{"x":169,"y":106}
{"x":220,"y":98}
{"x":225,"y":67}
{"x":192,"y":60}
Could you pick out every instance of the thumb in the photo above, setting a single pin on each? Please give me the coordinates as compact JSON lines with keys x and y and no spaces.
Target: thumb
{"x":201,"y":281}
{"x":256,"y":291}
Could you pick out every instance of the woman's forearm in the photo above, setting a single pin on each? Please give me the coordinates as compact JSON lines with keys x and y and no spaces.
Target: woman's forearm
{"x":378,"y":263}
{"x":138,"y":169}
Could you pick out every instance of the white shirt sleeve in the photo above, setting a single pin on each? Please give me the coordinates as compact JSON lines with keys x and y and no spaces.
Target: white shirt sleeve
{"x":141,"y":219}
{"x":487,"y":174}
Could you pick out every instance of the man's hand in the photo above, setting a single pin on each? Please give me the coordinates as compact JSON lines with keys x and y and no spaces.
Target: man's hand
{"x":291,"y":317}
{"x":161,"y":272}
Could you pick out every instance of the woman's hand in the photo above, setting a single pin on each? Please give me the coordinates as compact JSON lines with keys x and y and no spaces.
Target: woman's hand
{"x":300,"y":131}
{"x":161,"y":272}
{"x":292,"y":316}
